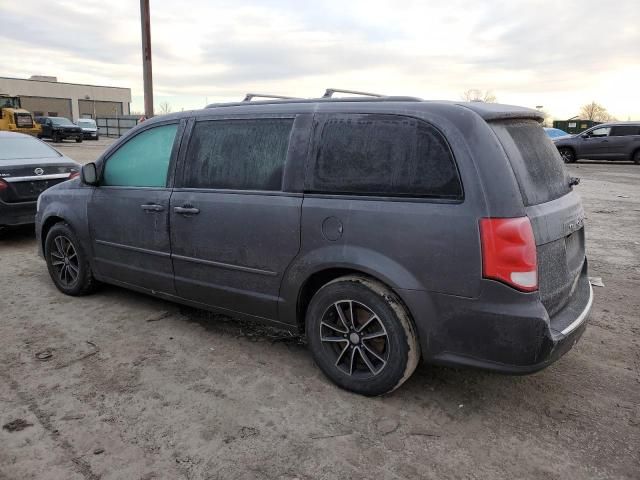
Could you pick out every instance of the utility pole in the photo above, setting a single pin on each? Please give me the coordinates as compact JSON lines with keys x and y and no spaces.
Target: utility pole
{"x":146,"y":58}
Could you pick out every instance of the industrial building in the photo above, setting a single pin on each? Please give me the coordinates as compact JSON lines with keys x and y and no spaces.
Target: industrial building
{"x":43,"y":95}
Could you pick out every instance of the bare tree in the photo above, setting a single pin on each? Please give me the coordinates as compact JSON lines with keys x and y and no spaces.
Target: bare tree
{"x":165,"y":107}
{"x":596,"y":112}
{"x":477,"y":95}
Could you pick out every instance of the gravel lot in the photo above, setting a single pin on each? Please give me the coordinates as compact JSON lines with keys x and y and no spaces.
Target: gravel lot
{"x":138,"y":388}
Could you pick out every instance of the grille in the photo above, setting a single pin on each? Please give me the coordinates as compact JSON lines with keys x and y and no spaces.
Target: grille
{"x":559,"y":263}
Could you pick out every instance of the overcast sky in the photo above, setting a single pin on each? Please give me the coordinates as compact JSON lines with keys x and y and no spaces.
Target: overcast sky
{"x":556,"y":53}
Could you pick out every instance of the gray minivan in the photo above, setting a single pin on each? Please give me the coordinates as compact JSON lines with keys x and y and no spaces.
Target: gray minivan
{"x":606,"y":141}
{"x":387,"y":229}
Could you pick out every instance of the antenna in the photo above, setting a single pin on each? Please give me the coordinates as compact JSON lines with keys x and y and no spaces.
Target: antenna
{"x":249,"y":96}
{"x":330,"y":91}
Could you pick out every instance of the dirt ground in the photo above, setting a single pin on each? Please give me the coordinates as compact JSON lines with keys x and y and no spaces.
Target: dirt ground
{"x":119,"y":385}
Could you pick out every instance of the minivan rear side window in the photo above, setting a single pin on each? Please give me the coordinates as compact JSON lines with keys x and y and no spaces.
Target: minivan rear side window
{"x":625,"y":130}
{"x":535,"y":160}
{"x":239,"y":154}
{"x":387,"y":155}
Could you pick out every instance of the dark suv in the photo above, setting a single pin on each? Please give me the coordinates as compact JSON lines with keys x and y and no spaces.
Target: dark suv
{"x":59,"y":129}
{"x":607,"y":141}
{"x":387,"y":230}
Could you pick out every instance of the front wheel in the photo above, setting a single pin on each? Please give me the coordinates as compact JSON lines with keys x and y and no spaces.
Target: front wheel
{"x":78,"y":140}
{"x":361,"y":336}
{"x":67,"y":263}
{"x":636,"y":158}
{"x":567,"y":154}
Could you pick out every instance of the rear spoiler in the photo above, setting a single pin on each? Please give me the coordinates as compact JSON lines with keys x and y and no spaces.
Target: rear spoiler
{"x":497,"y":111}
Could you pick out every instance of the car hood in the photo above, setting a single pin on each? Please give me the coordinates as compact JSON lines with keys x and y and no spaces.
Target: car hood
{"x":67,"y":127}
{"x":563,"y":137}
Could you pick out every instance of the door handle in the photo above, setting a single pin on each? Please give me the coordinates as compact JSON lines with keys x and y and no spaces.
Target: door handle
{"x":186,"y":210}
{"x":152,"y":207}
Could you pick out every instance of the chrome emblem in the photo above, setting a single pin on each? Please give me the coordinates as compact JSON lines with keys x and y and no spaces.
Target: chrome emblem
{"x":38,"y":171}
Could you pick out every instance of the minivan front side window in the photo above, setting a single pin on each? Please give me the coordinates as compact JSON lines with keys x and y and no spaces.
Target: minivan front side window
{"x":241,"y":154}
{"x":143,"y":161}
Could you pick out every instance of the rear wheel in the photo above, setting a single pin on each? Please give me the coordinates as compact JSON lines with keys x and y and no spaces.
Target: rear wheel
{"x":361,"y":336}
{"x":636,"y":157}
{"x":567,"y":154}
{"x":66,"y":261}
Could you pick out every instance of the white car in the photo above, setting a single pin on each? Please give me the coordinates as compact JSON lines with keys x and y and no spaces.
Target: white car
{"x":89,"y":128}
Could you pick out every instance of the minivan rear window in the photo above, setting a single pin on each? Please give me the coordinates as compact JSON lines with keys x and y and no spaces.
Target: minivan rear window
{"x":535,"y":160}
{"x":384,"y":155}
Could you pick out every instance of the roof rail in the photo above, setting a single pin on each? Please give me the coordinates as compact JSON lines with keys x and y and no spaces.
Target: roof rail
{"x":249,"y":96}
{"x":330,"y":91}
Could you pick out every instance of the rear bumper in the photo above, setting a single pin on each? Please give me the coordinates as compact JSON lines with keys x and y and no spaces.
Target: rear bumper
{"x":22,"y":213}
{"x":502,"y":330}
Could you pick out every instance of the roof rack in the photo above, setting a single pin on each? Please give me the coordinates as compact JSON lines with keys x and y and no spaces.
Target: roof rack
{"x":249,"y":96}
{"x":326,"y":98}
{"x":330,"y":91}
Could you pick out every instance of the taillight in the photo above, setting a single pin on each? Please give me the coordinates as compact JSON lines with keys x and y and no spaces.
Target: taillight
{"x":74,"y":175}
{"x":3,"y":185}
{"x":509,"y":252}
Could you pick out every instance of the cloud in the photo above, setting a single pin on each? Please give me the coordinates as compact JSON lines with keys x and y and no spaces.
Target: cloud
{"x":541,"y":51}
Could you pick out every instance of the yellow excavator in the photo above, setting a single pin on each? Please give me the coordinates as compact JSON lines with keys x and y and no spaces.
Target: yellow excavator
{"x":14,"y":118}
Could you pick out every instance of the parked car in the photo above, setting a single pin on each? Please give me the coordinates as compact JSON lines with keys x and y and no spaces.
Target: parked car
{"x":89,"y":128}
{"x":28,"y":166}
{"x":387,"y":230}
{"x":59,"y":129}
{"x":556,"y":132}
{"x":606,"y":141}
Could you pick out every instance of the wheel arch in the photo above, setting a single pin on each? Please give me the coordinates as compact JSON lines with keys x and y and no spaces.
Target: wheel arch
{"x":47,"y":225}
{"x":318,"y":279}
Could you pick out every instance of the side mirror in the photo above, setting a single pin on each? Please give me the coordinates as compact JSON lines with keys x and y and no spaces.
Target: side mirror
{"x":585,"y":135}
{"x":89,"y":174}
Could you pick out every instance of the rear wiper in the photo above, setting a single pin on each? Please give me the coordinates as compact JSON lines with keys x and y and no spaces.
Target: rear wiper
{"x":574,"y":181}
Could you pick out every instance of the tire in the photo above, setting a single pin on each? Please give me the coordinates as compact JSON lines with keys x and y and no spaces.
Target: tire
{"x":67,"y":261}
{"x":78,"y":140}
{"x":568,"y":155}
{"x":56,"y":138}
{"x":368,"y":366}
{"x":636,"y":157}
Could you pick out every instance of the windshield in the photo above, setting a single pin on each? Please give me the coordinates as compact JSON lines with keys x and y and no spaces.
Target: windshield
{"x":9,"y":102}
{"x":61,"y":121}
{"x":15,"y":148}
{"x":84,"y":122}
{"x":556,"y":132}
